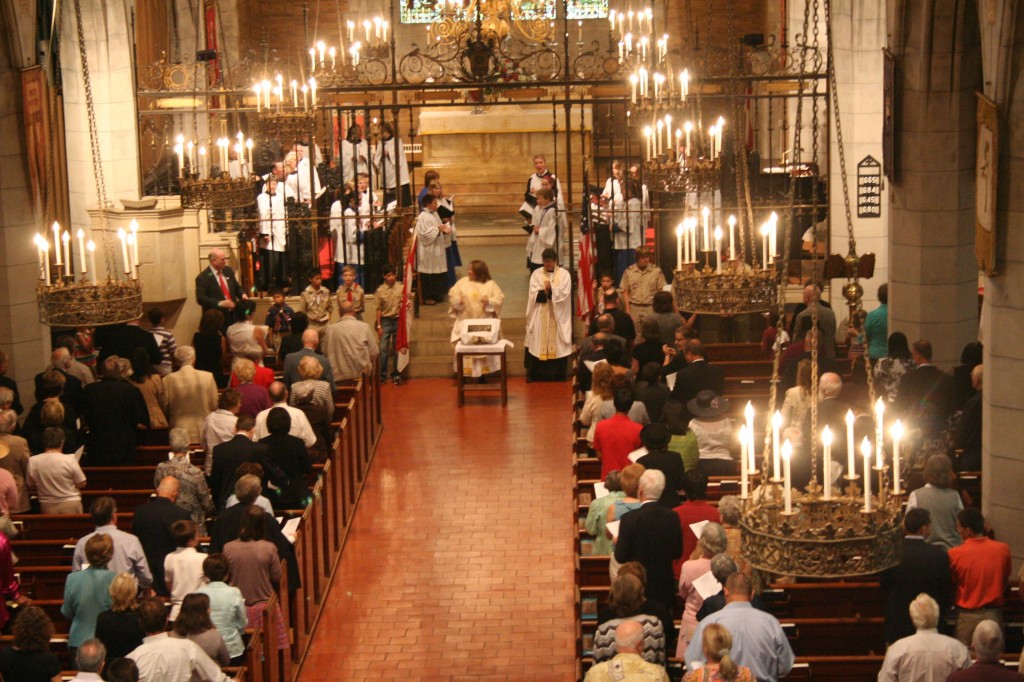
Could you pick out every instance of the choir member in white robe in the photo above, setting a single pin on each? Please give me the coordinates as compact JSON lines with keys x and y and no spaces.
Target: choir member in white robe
{"x":385,"y":154}
{"x":615,"y":205}
{"x":354,"y":155}
{"x":273,"y":231}
{"x":347,"y":227}
{"x":476,"y":296}
{"x":548,"y":321}
{"x":545,"y":230}
{"x":431,"y":263}
{"x":297,"y":184}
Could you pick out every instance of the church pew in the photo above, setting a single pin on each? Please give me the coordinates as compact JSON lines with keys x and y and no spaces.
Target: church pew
{"x":810,"y":600}
{"x":835,"y":636}
{"x":836,"y":668}
{"x":41,"y":552}
{"x":62,"y":526}
{"x":127,"y":500}
{"x":138,"y":477}
{"x":43,"y":582}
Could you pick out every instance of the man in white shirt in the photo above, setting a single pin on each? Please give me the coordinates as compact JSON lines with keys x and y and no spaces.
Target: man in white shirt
{"x":300,"y":423}
{"x":219,"y":426}
{"x":925,"y":656}
{"x":162,"y":658}
{"x":128,"y":554}
{"x":89,"y":660}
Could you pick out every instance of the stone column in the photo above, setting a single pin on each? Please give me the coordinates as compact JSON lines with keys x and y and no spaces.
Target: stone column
{"x":933,"y":291}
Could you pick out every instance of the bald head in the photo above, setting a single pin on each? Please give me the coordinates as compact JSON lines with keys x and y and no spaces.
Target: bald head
{"x":811,"y":294}
{"x":60,"y":357}
{"x":629,"y":637}
{"x":310,"y":339}
{"x":737,"y":588}
{"x":168,"y":488}
{"x":606,"y":323}
{"x":830,"y":384}
{"x":278,"y":391}
{"x":346,"y":308}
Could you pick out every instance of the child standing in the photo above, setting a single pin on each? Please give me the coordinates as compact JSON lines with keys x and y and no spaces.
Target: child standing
{"x":605,"y":285}
{"x":279,"y":319}
{"x":183,"y":568}
{"x":430,"y":259}
{"x":349,"y":290}
{"x":317,"y":302}
{"x":389,"y":307}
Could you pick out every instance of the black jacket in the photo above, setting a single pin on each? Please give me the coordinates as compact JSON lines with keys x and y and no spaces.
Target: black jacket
{"x":152,"y":526}
{"x":652,"y":536}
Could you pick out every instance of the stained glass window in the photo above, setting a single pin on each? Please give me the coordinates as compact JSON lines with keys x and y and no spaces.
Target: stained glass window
{"x":587,"y":9}
{"x":426,"y":11}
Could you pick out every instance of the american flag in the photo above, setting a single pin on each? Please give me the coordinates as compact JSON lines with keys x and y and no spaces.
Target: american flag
{"x":405,"y":318}
{"x":585,"y":274}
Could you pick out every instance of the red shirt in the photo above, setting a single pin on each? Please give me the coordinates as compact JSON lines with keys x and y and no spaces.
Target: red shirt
{"x":692,"y":511}
{"x":980,"y":568}
{"x":614,"y":439}
{"x":264,"y":377}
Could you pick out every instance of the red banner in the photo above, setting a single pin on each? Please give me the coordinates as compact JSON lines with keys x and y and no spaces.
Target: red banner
{"x":37,"y":125}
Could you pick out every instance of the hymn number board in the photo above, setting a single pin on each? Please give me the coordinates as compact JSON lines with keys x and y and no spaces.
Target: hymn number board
{"x":869,"y":188}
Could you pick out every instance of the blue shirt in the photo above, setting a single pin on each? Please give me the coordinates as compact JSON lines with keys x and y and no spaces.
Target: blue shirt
{"x":876,"y":327}
{"x":227,"y":612}
{"x":86,"y":596}
{"x":758,"y":641}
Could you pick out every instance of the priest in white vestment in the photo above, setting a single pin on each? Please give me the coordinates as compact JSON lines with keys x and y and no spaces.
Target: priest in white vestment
{"x":476,"y":296}
{"x":431,"y":263}
{"x":548,"y":321}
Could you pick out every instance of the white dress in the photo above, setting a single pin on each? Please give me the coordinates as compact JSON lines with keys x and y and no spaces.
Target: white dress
{"x":549,"y":325}
{"x":465,"y":303}
{"x":430,"y":258}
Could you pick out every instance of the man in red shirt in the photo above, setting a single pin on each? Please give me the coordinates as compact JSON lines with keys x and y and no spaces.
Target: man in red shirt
{"x":617,"y":436}
{"x":981,"y":570}
{"x":694,"y":510}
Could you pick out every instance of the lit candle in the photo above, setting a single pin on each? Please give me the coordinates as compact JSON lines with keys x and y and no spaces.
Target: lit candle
{"x":679,"y":141}
{"x":688,"y":128}
{"x":657,"y":134}
{"x":776,"y":426}
{"x":579,"y":25}
{"x":131,"y":268}
{"x":679,"y":246}
{"x":180,"y":148}
{"x":711,"y":142}
{"x":279,"y":91}
{"x":81,"y":250}
{"x":718,"y":248}
{"x":134,"y":227}
{"x":622,"y":51}
{"x":189,"y":149}
{"x":333,"y":55}
{"x":632,"y":82}
{"x":764,"y":245}
{"x":66,"y":239}
{"x":45,"y":246}
{"x":648,"y":143}
{"x":366,"y":27}
{"x":295,"y":95}
{"x":258,"y":89}
{"x":266,"y":94}
{"x":850,"y":452}
{"x":376,"y":28}
{"x":668,"y":126}
{"x":56,"y":243}
{"x":743,"y":461}
{"x":124,"y":249}
{"x":706,"y":214}
{"x":204,"y":161}
{"x":732,"y":232}
{"x":611,"y":20}
{"x":826,"y":461}
{"x":91,"y":246}
{"x":320,"y":46}
{"x":248,"y":149}
{"x":384,"y":31}
{"x":351,"y":30}
{"x":686,"y":241}
{"x":787,"y":480}
{"x":865,"y":450}
{"x":748,"y":413}
{"x":773,"y":221}
{"x":684,"y":85}
{"x":312,"y":60}
{"x":693,"y":239}
{"x":897,"y":436}
{"x":630,"y":15}
{"x":305,"y":97}
{"x":312,"y":92}
{"x":879,"y":432}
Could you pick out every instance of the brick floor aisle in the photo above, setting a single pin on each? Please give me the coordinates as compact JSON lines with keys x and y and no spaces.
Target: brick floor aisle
{"x":458,"y":565}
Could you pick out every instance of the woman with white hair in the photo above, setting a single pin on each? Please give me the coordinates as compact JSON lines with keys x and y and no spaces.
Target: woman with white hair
{"x":193,"y":493}
{"x":925,"y":655}
{"x":712,"y":541}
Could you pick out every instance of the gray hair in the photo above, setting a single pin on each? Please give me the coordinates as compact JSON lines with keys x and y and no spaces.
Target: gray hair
{"x":987,"y":642}
{"x":90,"y":656}
{"x":178,"y":439}
{"x":248,"y":488}
{"x":8,"y":419}
{"x":830,"y":384}
{"x":112,"y":367}
{"x":250,"y":350}
{"x":185,"y":355}
{"x":628,"y":635}
{"x":730,"y":509}
{"x":924,"y":612}
{"x":713,"y":540}
{"x":722,"y":566}
{"x":652,"y":483}
{"x":60,"y":357}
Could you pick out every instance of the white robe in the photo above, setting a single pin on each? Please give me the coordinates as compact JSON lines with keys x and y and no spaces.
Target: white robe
{"x":544,"y":238}
{"x":361,"y":151}
{"x":346,"y":227}
{"x":465,"y":304}
{"x":273,"y":220}
{"x":297,"y":184}
{"x":614,"y":211}
{"x":385,"y":151}
{"x":430,"y":258}
{"x":549,"y":325}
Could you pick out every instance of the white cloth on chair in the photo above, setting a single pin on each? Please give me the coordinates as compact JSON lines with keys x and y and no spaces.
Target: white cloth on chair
{"x":476,"y":365}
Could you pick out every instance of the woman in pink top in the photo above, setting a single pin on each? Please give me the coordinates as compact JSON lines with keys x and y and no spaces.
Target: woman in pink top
{"x":712,"y":541}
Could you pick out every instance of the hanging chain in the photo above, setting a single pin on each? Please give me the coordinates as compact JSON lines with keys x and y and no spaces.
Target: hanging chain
{"x":94,"y":143}
{"x":815,"y":359}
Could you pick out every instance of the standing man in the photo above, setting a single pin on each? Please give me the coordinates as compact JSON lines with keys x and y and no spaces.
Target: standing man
{"x":981,"y":569}
{"x":924,"y":655}
{"x":545,"y":230}
{"x":355,"y":154}
{"x":115,"y":412}
{"x":698,"y":375}
{"x":217,"y":287}
{"x":548,"y":321}
{"x":152,"y":526}
{"x":826,"y":319}
{"x":651,"y":535}
{"x":639,"y":284}
{"x":613,"y":198}
{"x":876,"y":327}
{"x":385,"y":154}
{"x":431,"y":263}
{"x":350,"y":345}
{"x":273,"y":234}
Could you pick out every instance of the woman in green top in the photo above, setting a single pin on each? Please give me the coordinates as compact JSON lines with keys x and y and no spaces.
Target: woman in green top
{"x":87,"y":592}
{"x":597,"y":514}
{"x":684,"y":441}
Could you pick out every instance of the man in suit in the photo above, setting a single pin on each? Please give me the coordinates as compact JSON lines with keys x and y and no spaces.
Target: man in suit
{"x":698,"y":375}
{"x":114,"y":411}
{"x":152,"y":526}
{"x":190,"y":394}
{"x":229,"y":523}
{"x":826,"y":319}
{"x":926,"y":395}
{"x":217,"y":288}
{"x":122,"y":340}
{"x":651,"y":535}
{"x":71,"y":395}
{"x":227,"y":457}
{"x":606,"y":325}
{"x":924,"y":568}
{"x":310,"y":340}
{"x":655,"y":438}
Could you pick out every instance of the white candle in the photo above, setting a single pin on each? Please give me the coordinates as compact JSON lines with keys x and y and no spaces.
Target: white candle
{"x":879,"y":432}
{"x":688,"y":128}
{"x":748,"y":412}
{"x":81,"y":250}
{"x":305,"y":97}
{"x":718,"y":248}
{"x":684,"y":86}
{"x":648,"y":143}
{"x":56,"y":243}
{"x":124,"y":249}
{"x":45,"y":245}
{"x":633,"y":80}
{"x":897,"y":436}
{"x":693,"y":239}
{"x":38,"y":241}
{"x":706,"y":214}
{"x":384,"y":31}
{"x":686,"y":242}
{"x":865,"y":450}
{"x":732,"y":233}
{"x":657,"y":137}
{"x":351,"y":30}
{"x":776,"y":445}
{"x":711,"y":142}
{"x":611,"y":20}
{"x":248,"y":149}
{"x":131,"y":247}
{"x":312,"y":92}
{"x":66,"y":239}
{"x":679,"y":246}
{"x":668,"y":129}
{"x":204,"y":162}
{"x":850,"y":452}
{"x":333,"y":54}
{"x":295,"y":94}
{"x":257,"y":89}
{"x":312,"y":60}
{"x":772,"y":225}
{"x":366,"y":27}
{"x":266,"y":94}
{"x":181,"y":155}
{"x":189,"y":148}
{"x":134,"y":227}
{"x":764,"y":245}
{"x":743,"y":461}
{"x":679,"y":142}
{"x":826,"y":461}
{"x":630,"y":15}
{"x":787,"y":476}
{"x":91,"y":246}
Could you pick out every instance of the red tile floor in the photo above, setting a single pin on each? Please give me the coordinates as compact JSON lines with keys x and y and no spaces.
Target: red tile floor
{"x":458,"y":565}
